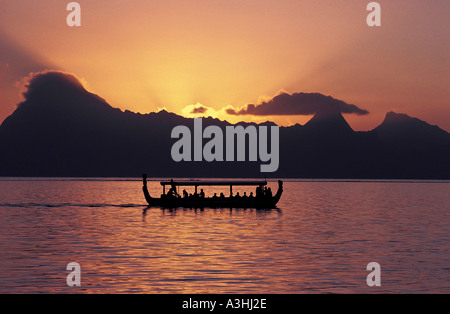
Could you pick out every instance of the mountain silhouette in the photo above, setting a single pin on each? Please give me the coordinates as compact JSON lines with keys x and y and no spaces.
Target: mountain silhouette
{"x":62,"y":130}
{"x":329,"y":124}
{"x":405,"y":130}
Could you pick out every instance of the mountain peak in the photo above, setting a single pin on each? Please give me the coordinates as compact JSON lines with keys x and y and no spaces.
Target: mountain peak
{"x":329,"y":122}
{"x":393,"y":118}
{"x":401,"y":128}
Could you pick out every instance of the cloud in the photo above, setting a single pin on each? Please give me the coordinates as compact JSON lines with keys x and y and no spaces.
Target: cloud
{"x":285,"y":104}
{"x":199,"y":110}
{"x":46,"y":82}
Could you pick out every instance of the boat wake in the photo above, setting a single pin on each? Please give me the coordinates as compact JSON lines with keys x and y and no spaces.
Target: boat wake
{"x":65,"y":205}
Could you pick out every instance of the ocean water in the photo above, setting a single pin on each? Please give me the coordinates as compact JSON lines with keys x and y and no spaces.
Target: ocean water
{"x":319,"y":240}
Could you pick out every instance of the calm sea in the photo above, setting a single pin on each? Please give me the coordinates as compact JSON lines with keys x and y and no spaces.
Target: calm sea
{"x":320,"y":240}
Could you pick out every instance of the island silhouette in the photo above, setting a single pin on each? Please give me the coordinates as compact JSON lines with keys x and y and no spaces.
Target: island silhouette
{"x":62,"y":130}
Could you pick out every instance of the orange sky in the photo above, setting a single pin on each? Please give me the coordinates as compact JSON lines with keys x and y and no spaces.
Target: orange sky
{"x":173,"y":54}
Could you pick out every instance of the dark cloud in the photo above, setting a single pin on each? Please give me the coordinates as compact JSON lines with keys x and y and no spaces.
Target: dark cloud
{"x":199,"y":110}
{"x":285,"y":104}
{"x":50,"y":82}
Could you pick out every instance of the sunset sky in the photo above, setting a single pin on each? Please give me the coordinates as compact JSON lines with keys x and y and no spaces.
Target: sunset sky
{"x":181,"y":54}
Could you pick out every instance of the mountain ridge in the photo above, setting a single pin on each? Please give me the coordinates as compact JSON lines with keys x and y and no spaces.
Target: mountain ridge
{"x":63,"y":130}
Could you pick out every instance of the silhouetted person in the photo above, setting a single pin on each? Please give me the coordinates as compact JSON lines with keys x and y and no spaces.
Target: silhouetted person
{"x":173,"y":192}
{"x":185,"y":194}
{"x":259,"y":192}
{"x":251,"y":195}
{"x":173,"y":189}
{"x":237,"y":195}
{"x":245,"y":195}
{"x":202,"y":193}
{"x":222,"y":195}
{"x":215,"y":196}
{"x":269,"y":193}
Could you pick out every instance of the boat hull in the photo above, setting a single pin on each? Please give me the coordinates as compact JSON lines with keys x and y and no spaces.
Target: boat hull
{"x":263,"y":202}
{"x":212,"y":203}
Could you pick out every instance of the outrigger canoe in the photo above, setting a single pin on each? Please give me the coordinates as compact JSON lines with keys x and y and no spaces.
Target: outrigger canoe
{"x":173,"y":200}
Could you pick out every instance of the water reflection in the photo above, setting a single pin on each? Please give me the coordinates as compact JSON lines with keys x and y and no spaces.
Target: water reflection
{"x":196,"y":211}
{"x":319,"y":240}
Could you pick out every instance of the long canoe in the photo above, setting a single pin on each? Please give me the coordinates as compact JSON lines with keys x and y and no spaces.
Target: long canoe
{"x":173,"y":201}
